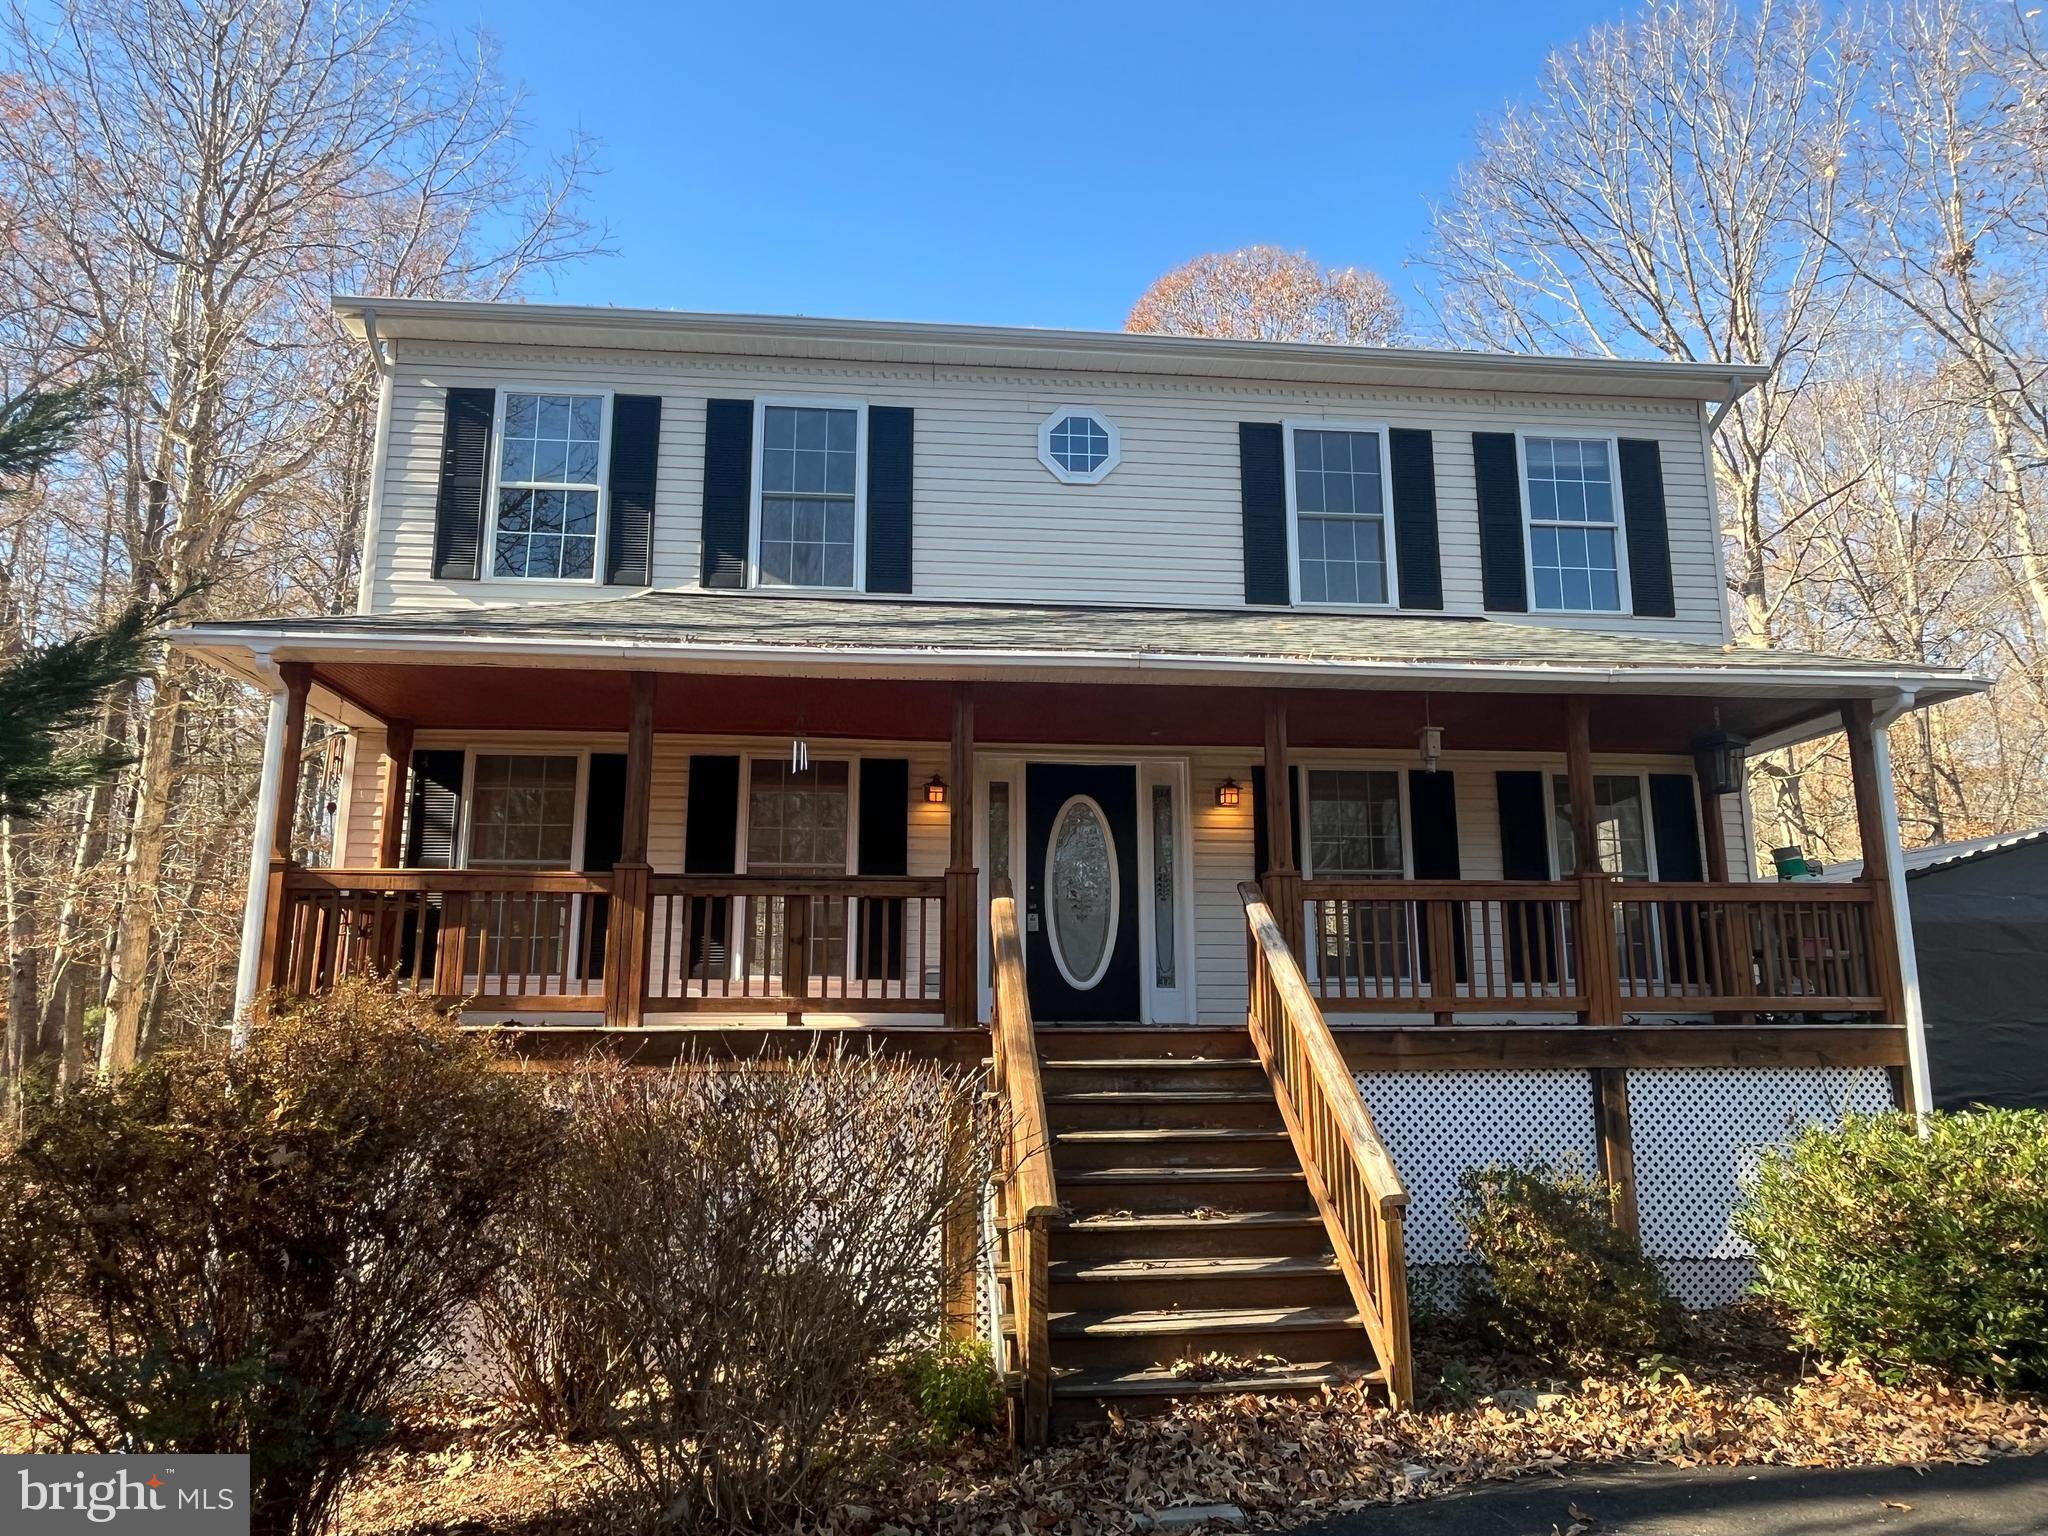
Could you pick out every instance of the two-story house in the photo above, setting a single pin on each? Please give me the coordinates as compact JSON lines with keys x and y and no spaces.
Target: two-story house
{"x":1354,"y":727}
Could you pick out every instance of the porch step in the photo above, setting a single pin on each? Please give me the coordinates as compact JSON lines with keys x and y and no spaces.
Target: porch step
{"x":1165,"y":1336}
{"x":1135,"y":1190}
{"x":1170,"y":1146}
{"x":1177,"y":1234}
{"x":1124,"y":1109}
{"x":1152,"y":1074}
{"x":1202,"y":1281}
{"x":1273,"y":1267}
{"x":1067,"y":1042}
{"x":1080,"y":1397}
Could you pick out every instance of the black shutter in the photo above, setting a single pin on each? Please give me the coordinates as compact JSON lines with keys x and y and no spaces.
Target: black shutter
{"x":636,"y":444}
{"x":1675,"y":822}
{"x":434,"y":810}
{"x":711,"y":820}
{"x":604,"y":812}
{"x":884,"y":850}
{"x":1411,"y":457}
{"x":465,"y":471}
{"x":1433,"y":822}
{"x":1260,"y":845}
{"x":1262,"y":473}
{"x":728,"y":491}
{"x":891,"y":456}
{"x":1649,"y":535}
{"x":604,"y":836}
{"x":1524,"y":835}
{"x":1529,"y":928}
{"x":1497,"y":477}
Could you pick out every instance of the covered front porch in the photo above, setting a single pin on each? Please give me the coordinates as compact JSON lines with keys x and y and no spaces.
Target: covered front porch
{"x":1483,"y":912}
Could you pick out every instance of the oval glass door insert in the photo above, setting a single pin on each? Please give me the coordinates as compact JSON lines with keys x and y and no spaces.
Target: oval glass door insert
{"x":1081,"y":892}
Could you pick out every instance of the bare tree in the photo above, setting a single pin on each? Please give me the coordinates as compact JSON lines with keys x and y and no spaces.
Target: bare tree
{"x":194,"y":178}
{"x":1263,"y":293}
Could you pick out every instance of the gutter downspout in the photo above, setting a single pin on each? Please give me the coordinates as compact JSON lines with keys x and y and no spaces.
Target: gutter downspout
{"x":1921,"y":1088}
{"x":262,"y":838}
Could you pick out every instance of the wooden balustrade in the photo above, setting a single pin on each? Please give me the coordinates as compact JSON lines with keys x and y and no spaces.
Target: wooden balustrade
{"x":1376,"y":946}
{"x":516,"y":938}
{"x":764,"y":943}
{"x":1027,"y":1196}
{"x":1353,"y":1179}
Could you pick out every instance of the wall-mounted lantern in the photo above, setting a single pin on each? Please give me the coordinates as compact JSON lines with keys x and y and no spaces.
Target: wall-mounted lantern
{"x":1717,"y":760}
{"x":935,"y":790}
{"x":1228,"y":795}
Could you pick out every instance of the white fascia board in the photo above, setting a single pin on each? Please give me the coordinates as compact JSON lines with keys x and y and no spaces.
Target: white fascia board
{"x":915,"y":342}
{"x":870,"y":661}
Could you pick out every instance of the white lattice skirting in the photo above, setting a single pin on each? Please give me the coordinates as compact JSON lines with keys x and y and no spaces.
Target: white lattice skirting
{"x":1698,"y":1133}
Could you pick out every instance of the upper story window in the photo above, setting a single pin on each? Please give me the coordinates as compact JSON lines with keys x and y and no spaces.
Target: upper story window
{"x":545,"y":515}
{"x":1338,"y":512}
{"x":1354,"y":823}
{"x":1575,"y":537}
{"x":810,"y":475}
{"x":1079,"y":444}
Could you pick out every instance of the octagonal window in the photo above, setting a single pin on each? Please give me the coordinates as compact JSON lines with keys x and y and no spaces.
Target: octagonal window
{"x":1078,"y":444}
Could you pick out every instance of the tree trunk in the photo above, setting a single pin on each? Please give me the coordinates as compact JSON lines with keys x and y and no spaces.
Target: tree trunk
{"x":140,"y":873}
{"x":24,"y":1013}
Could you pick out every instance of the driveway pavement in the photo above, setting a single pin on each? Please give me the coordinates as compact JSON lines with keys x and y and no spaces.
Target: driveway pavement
{"x":2008,"y":1497}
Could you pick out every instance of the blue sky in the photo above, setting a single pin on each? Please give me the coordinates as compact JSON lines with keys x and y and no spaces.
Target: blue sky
{"x":1026,"y":164}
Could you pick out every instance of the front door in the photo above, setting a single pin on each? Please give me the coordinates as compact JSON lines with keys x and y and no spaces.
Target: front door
{"x":1081,"y":891}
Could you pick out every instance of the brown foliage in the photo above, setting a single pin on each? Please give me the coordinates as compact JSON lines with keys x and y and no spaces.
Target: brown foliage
{"x":255,"y":1253}
{"x":1263,"y":293}
{"x":724,"y":1265}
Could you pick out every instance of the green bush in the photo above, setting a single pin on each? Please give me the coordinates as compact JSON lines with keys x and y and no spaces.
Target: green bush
{"x":1561,"y":1279}
{"x":1911,"y":1249}
{"x":954,"y":1385}
{"x":255,"y":1253}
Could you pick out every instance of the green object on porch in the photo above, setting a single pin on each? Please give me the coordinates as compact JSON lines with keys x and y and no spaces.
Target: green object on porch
{"x":1791,"y":864}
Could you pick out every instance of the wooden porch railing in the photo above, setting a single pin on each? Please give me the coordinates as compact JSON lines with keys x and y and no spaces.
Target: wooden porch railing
{"x":1401,"y":946}
{"x":764,"y":943}
{"x":539,"y":940}
{"x":1027,"y":1196}
{"x":517,"y":937}
{"x":1350,"y":1174}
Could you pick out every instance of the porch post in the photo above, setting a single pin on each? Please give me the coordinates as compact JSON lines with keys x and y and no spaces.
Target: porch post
{"x":397,"y":770}
{"x":283,"y":794}
{"x":1598,"y":963}
{"x":1281,"y":881}
{"x":1714,"y":835}
{"x":1884,"y":877}
{"x":625,"y":957}
{"x":960,"y":947}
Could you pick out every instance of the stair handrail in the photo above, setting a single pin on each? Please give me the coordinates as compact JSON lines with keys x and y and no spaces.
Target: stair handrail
{"x":1350,"y":1173}
{"x":1029,"y":1194}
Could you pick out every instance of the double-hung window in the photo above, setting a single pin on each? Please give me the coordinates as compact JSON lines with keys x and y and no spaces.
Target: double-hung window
{"x":811,"y":487}
{"x":1576,"y":560}
{"x":522,"y":815}
{"x":1620,"y":824}
{"x":544,"y":518}
{"x":798,"y":824}
{"x":1337,"y":489}
{"x":1354,"y":824}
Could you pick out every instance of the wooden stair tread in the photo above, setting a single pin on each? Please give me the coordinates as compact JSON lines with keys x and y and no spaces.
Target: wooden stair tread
{"x":1233,"y":1267}
{"x":1186,"y":1173}
{"x":1149,"y":1096}
{"x":1160,"y":1381}
{"x":1177,"y":1221}
{"x":1144,"y":1133}
{"x":1205,"y":1320}
{"x":1148,"y":1063}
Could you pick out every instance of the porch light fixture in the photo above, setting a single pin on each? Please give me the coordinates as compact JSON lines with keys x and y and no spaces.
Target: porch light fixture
{"x":1431,"y":740}
{"x":1228,"y":794}
{"x":935,"y":790}
{"x":1717,"y":760}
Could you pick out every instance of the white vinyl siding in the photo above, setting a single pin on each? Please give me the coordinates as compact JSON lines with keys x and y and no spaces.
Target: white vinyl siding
{"x":1166,"y":527}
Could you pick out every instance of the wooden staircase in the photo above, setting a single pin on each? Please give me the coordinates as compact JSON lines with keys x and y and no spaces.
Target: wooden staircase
{"x":1188,"y":1211}
{"x":1191,"y":1258}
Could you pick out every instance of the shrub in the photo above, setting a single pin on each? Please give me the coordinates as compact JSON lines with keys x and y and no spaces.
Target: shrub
{"x":252,"y":1253}
{"x":1561,"y":1279}
{"x":758,"y":1243}
{"x":1914,"y":1250}
{"x":954,"y":1385}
